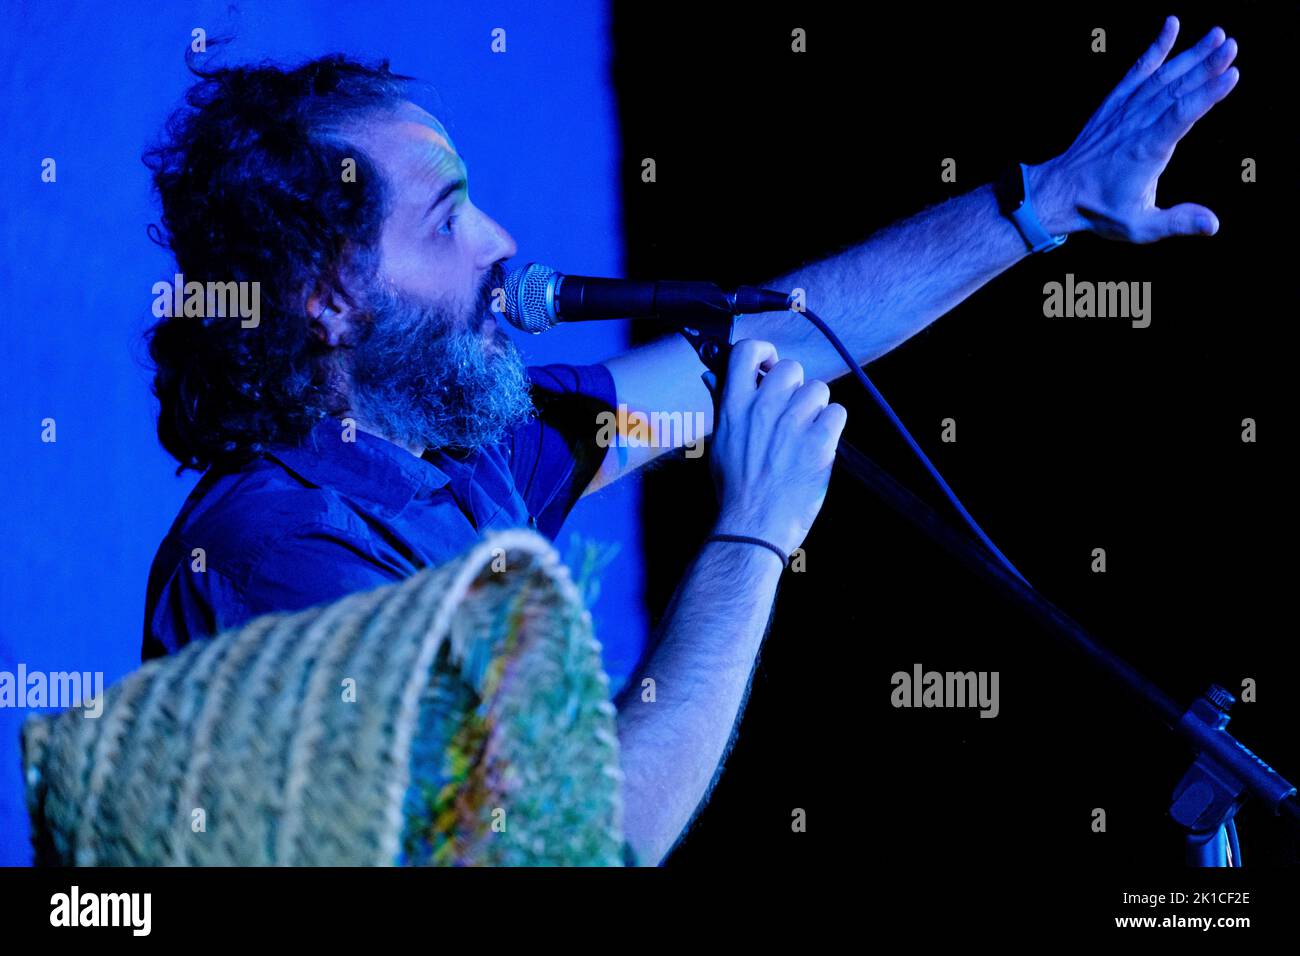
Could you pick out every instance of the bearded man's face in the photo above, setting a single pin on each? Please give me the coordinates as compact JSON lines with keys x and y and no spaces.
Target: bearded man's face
{"x":429,"y":367}
{"x":427,"y":375}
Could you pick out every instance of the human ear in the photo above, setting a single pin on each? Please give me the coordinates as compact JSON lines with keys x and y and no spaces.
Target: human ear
{"x":328,"y":320}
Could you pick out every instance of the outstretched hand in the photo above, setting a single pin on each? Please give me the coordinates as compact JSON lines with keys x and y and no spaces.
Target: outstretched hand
{"x":1106,"y":181}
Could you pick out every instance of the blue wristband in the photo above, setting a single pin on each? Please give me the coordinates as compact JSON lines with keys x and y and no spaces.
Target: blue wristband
{"x":1036,"y":237}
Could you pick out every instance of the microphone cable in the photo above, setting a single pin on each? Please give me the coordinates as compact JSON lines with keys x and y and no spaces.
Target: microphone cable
{"x":874,"y":392}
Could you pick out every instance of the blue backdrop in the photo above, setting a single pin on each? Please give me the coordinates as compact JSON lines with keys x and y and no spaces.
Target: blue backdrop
{"x":89,"y":86}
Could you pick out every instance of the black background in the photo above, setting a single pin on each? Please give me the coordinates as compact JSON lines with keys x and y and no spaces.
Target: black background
{"x":1072,"y":434}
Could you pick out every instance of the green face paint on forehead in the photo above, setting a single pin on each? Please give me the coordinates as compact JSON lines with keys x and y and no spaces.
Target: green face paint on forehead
{"x":439,"y":133}
{"x":442,"y":164}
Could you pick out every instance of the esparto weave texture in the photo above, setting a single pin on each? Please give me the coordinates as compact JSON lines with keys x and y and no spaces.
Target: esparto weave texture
{"x":459,"y":717}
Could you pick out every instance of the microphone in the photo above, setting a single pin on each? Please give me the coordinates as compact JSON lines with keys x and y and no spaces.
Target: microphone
{"x":538,"y":298}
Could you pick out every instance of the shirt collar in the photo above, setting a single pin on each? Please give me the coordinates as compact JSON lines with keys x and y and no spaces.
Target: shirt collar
{"x":364,"y":466}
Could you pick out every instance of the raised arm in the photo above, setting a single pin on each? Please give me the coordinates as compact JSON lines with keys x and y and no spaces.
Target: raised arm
{"x":878,"y":294}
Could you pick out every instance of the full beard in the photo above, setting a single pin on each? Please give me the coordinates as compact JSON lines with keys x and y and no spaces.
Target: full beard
{"x":423,"y":379}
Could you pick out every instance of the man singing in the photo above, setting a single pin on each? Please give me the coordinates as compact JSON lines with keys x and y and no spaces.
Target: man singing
{"x":375,"y":420}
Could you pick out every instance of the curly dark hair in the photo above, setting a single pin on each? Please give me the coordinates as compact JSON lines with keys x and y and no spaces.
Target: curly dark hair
{"x":250,"y":175}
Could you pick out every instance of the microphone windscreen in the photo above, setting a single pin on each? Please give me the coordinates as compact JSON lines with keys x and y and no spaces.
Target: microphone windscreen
{"x":530,"y":298}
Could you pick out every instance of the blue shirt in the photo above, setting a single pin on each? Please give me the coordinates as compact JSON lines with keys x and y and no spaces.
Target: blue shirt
{"x":299,"y":526}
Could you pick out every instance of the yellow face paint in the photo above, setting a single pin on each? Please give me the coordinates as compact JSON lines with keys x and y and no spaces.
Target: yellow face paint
{"x":444,"y":165}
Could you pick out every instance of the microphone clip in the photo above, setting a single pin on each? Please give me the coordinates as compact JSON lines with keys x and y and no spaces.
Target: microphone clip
{"x":710,"y":336}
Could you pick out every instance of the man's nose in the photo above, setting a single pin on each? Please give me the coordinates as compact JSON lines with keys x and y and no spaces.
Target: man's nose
{"x":498,"y":246}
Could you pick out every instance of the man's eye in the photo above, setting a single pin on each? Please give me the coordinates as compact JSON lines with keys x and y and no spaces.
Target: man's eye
{"x":445,"y":228}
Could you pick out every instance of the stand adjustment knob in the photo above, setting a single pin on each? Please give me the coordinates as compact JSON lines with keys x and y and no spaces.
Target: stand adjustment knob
{"x":1220,"y":698}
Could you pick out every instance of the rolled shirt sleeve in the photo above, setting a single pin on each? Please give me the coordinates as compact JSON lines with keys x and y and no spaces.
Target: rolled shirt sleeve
{"x":555,"y":456}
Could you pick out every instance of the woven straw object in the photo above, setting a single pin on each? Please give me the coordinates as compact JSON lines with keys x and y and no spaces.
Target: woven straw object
{"x":479,"y":733}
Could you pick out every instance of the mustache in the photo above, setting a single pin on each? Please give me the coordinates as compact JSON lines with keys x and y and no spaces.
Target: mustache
{"x":438,"y":320}
{"x":493,"y":279}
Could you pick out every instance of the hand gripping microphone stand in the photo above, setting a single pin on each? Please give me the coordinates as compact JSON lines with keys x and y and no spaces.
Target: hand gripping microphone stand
{"x":1223,"y":772}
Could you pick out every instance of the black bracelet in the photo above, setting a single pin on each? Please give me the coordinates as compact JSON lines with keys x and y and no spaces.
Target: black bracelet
{"x":746,"y":539}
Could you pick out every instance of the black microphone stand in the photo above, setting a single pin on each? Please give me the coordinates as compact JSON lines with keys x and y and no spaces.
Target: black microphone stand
{"x":1223,"y":772}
